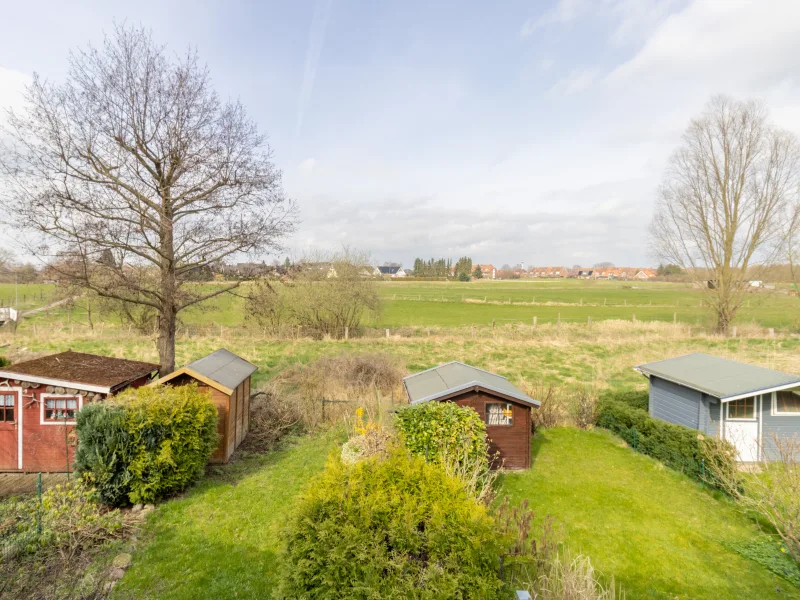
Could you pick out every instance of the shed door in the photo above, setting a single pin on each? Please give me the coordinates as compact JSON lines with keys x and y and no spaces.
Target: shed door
{"x":10,"y":429}
{"x":741,"y":427}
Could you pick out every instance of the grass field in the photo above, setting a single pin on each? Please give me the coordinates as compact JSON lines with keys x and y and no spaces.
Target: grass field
{"x":481,"y":303}
{"x":657,"y":532}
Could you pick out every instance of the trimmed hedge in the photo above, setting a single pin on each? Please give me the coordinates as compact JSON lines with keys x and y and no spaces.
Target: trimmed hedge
{"x":393,"y":528}
{"x":432,"y":429}
{"x":634,"y":398}
{"x":678,"y":447}
{"x":147,"y":443}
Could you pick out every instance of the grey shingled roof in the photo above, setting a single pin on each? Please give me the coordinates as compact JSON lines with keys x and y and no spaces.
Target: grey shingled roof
{"x":719,"y":377}
{"x":224,"y":367}
{"x":456,"y":376}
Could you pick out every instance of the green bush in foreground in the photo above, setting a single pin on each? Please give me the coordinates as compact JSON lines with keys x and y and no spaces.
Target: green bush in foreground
{"x":678,"y":447}
{"x":147,"y":444}
{"x":392,"y":528}
{"x":438,"y":429}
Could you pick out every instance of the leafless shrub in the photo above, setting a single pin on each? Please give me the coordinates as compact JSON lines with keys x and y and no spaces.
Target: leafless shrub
{"x":583,"y":406}
{"x":473,"y":471}
{"x":551,"y":411}
{"x":771,"y":489}
{"x":375,"y":441}
{"x":272,"y":416}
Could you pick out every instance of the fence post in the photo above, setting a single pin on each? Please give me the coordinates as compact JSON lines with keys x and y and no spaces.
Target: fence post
{"x":634,"y":317}
{"x":534,"y":321}
{"x":492,"y":323}
{"x":39,"y":509}
{"x":771,"y":332}
{"x":559,"y":318}
{"x":387,"y":333}
{"x":346,"y":333}
{"x":590,"y":321}
{"x":323,"y":410}
{"x":733,"y":332}
{"x":674,"y":318}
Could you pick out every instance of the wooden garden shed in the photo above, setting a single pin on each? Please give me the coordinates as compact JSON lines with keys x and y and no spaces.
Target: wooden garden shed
{"x":504,"y":408}
{"x":227,"y":378}
{"x":40,"y":398}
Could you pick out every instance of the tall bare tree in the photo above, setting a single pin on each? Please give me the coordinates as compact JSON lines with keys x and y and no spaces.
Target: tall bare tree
{"x":722,"y":206}
{"x":135,"y":174}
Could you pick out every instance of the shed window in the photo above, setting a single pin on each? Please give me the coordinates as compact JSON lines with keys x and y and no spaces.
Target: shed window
{"x":499,"y":414}
{"x":787,"y":402}
{"x":744,"y":408}
{"x":60,"y":409}
{"x":7,"y":407}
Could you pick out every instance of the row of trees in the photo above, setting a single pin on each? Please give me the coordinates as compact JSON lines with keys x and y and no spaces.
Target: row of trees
{"x":444,"y":267}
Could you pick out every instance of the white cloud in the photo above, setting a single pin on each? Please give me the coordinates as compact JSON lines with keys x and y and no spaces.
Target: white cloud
{"x":577,"y":81}
{"x":12,"y":86}
{"x":563,"y":13}
{"x":308,"y":165}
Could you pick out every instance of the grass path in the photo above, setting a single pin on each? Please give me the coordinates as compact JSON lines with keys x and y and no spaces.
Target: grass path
{"x":658,"y":533}
{"x":222,"y":539}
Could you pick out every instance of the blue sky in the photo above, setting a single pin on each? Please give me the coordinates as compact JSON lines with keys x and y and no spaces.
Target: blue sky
{"x":507,"y":131}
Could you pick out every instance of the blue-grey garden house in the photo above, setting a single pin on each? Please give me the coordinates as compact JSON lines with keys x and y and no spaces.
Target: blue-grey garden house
{"x":747,"y":405}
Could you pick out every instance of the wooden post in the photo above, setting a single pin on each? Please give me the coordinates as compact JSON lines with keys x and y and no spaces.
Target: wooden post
{"x":625,"y":302}
{"x":492,"y":323}
{"x":534,"y":321}
{"x":674,"y":318}
{"x":581,"y":302}
{"x":346,"y":333}
{"x":590,"y":321}
{"x":387,"y":333}
{"x":559,"y":318}
{"x":634,"y":317}
{"x":733,"y":332}
{"x":473,"y":331}
{"x":771,"y":332}
{"x":429,"y":332}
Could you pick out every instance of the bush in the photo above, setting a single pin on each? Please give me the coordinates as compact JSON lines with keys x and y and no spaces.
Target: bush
{"x":433,"y":429}
{"x":103,"y":453}
{"x":146,"y":444}
{"x":634,"y":398}
{"x":272,"y":416}
{"x":583,"y":407}
{"x":676,"y":446}
{"x":173,"y":434}
{"x":550,"y":412}
{"x":393,"y":528}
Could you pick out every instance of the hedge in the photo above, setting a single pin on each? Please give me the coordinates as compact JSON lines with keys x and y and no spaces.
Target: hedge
{"x":634,"y":398}
{"x":678,"y":447}
{"x":394,"y":528}
{"x":432,"y":429}
{"x":147,"y":443}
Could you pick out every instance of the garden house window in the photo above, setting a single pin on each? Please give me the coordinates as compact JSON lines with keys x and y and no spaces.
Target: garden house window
{"x":60,"y":409}
{"x":7,"y":407}
{"x":787,"y":402}
{"x":499,"y":414}
{"x":745,"y":408}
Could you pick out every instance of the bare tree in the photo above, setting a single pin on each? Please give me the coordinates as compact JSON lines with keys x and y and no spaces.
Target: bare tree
{"x":721,"y":209}
{"x":135,"y":174}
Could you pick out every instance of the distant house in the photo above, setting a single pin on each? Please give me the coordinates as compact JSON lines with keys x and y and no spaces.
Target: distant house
{"x":742,"y":403}
{"x":504,"y":408}
{"x":40,"y":398}
{"x":585,"y":273}
{"x":488,"y":271}
{"x":392,"y":272}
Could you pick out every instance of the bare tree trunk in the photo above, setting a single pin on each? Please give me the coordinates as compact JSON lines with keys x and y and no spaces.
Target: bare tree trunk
{"x":168,"y":313}
{"x":166,"y":340}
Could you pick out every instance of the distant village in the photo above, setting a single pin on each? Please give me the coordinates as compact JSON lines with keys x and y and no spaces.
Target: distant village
{"x":488,"y":271}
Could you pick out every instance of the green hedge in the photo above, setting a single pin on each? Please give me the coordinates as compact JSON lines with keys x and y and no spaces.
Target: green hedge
{"x":432,"y":429}
{"x":678,"y":447}
{"x":147,"y":443}
{"x":394,"y":528}
{"x":634,"y":398}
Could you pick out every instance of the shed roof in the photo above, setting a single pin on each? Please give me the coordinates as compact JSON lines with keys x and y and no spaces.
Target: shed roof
{"x":455,"y":376}
{"x":222,"y":370}
{"x":81,"y":370}
{"x":719,"y":377}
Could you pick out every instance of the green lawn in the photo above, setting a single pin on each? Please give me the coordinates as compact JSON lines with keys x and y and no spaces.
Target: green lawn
{"x":657,"y":532}
{"x":222,"y":539}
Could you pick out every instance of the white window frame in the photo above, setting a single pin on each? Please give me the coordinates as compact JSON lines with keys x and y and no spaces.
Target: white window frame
{"x":743,"y":419}
{"x":774,"y":408}
{"x":44,"y":397}
{"x":503,"y":404}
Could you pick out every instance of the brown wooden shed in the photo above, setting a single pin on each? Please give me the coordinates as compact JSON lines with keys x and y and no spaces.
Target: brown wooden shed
{"x":504,"y":408}
{"x":227,"y":378}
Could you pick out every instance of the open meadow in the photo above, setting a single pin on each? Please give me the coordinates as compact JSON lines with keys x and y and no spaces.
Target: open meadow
{"x":476,"y":303}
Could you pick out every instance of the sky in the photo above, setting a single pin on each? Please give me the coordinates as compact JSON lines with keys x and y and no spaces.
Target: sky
{"x":509,"y":131}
